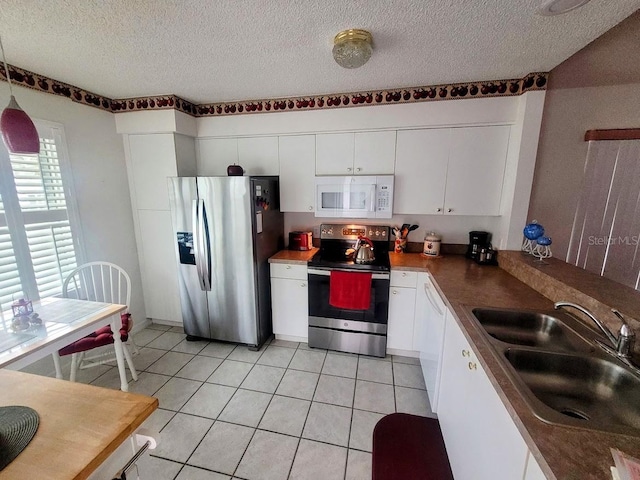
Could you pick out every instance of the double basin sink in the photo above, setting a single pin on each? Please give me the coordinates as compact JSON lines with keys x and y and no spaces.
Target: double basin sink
{"x":564,"y":377}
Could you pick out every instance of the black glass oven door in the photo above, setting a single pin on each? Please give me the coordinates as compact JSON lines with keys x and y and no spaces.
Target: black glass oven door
{"x":378,"y":311}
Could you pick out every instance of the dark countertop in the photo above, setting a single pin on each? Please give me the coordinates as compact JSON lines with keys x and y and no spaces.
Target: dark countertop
{"x":564,"y":453}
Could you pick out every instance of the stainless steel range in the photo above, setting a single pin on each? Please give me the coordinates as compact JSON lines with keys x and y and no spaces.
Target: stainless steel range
{"x":349,"y":296}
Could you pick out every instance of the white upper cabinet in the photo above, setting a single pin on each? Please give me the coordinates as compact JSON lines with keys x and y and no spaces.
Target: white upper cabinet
{"x":421,"y":171}
{"x":366,"y":153}
{"x":374,"y":153}
{"x":334,"y":153}
{"x":451,"y":171}
{"x":258,"y":155}
{"x":475,"y":173}
{"x":297,"y":173}
{"x":214,"y":155}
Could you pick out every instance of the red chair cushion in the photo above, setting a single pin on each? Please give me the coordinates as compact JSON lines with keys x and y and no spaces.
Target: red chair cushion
{"x":99,"y":338}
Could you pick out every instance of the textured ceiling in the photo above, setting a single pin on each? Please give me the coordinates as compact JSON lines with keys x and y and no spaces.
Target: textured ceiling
{"x":224,"y":50}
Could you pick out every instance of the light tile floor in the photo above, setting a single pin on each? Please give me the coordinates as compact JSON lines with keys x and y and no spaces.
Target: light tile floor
{"x":284,"y":412}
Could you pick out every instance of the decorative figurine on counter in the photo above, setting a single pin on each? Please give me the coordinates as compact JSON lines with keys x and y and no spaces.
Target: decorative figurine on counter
{"x":543,"y":247}
{"x":23,"y":315}
{"x":535,"y":242}
{"x":22,"y":307}
{"x":401,"y":236}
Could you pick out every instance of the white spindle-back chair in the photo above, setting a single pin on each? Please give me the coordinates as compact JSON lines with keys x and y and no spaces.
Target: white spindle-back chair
{"x":98,"y":282}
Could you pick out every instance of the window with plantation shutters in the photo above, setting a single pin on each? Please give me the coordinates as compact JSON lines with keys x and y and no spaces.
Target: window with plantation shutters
{"x":10,"y":284}
{"x":37,"y":244}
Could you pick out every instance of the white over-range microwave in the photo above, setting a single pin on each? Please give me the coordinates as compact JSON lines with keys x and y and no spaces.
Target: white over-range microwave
{"x":354,"y":197}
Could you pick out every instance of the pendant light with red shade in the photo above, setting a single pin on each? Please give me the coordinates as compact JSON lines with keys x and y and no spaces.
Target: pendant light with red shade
{"x":18,"y":131}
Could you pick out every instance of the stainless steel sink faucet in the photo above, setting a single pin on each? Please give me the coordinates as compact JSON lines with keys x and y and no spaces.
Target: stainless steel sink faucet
{"x":623,"y":343}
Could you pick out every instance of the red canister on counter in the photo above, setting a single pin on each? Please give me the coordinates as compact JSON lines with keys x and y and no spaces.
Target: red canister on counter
{"x":300,"y":240}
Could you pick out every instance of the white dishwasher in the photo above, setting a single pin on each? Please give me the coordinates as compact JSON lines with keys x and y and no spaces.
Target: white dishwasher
{"x":429,"y":334}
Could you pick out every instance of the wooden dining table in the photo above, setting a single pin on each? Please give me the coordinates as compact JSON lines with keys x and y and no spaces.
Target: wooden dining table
{"x":64,"y":321}
{"x":80,"y":425}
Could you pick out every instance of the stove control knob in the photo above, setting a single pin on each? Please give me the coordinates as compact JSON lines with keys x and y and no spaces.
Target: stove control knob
{"x":330,"y":231}
{"x":384,"y":233}
{"x":370,"y":232}
{"x":377,"y":233}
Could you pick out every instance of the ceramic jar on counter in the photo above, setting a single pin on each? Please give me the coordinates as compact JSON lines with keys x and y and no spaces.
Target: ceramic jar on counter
{"x":431,"y":245}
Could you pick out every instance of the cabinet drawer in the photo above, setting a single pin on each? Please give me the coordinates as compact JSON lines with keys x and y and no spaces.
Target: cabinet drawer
{"x":404,"y":279}
{"x":288,"y":270}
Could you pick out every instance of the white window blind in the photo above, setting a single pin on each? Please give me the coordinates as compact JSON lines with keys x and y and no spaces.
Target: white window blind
{"x":37,"y":247}
{"x":10,"y":284}
{"x":606,"y":229}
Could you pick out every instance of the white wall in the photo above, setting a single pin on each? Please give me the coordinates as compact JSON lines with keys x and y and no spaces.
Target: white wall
{"x":596,"y":88}
{"x":559,"y":174}
{"x":100,"y":181}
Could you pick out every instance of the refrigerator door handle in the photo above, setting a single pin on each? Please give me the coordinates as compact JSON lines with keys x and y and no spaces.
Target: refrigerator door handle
{"x":206,"y":248}
{"x":197,"y":239}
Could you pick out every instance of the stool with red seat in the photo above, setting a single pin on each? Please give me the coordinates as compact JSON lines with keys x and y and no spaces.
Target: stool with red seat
{"x":409,"y":447}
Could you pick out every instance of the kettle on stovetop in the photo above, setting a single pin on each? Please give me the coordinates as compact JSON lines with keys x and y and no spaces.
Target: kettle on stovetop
{"x":364,"y":251}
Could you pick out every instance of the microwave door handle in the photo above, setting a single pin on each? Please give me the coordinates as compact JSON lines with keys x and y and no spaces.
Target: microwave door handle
{"x":346,"y":197}
{"x":197,"y":246}
{"x":374,"y":197}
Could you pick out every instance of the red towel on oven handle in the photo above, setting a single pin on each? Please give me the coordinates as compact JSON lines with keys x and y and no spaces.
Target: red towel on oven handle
{"x":350,"y":290}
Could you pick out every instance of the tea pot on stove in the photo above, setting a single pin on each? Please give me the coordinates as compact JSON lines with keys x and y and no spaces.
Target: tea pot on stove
{"x":364,"y":251}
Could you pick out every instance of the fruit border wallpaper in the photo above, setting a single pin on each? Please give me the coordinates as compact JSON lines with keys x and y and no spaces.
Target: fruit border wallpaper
{"x":483,"y":89}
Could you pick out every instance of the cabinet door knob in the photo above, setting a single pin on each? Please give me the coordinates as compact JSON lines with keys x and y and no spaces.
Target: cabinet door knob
{"x":358,"y":169}
{"x":303,"y":284}
{"x":288,"y":267}
{"x":349,"y":169}
{"x":310,"y":209}
{"x":404,"y":274}
{"x":395,"y":292}
{"x":438,"y":209}
{"x":449,"y":210}
{"x":466,"y":353}
{"x":472,"y":366}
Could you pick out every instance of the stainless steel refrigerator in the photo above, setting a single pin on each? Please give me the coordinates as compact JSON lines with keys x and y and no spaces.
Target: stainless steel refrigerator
{"x":225,"y":229}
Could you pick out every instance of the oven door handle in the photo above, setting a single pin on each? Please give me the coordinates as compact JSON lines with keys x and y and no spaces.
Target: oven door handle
{"x":326,"y":273}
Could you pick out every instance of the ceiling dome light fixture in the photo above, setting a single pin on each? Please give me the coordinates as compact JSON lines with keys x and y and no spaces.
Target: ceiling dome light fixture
{"x":18,"y":131}
{"x":558,"y":7}
{"x":352,"y":48}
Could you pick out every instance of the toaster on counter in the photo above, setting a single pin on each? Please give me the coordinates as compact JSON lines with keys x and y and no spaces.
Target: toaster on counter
{"x":300,"y":240}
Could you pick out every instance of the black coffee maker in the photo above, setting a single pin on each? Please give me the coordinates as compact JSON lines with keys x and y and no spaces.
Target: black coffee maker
{"x":477,"y":241}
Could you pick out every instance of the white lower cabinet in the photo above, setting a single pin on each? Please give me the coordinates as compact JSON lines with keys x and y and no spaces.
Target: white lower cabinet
{"x":401,"y":311}
{"x":533,"y":471}
{"x":289,"y":300}
{"x":402,"y":308}
{"x":481,"y":439}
